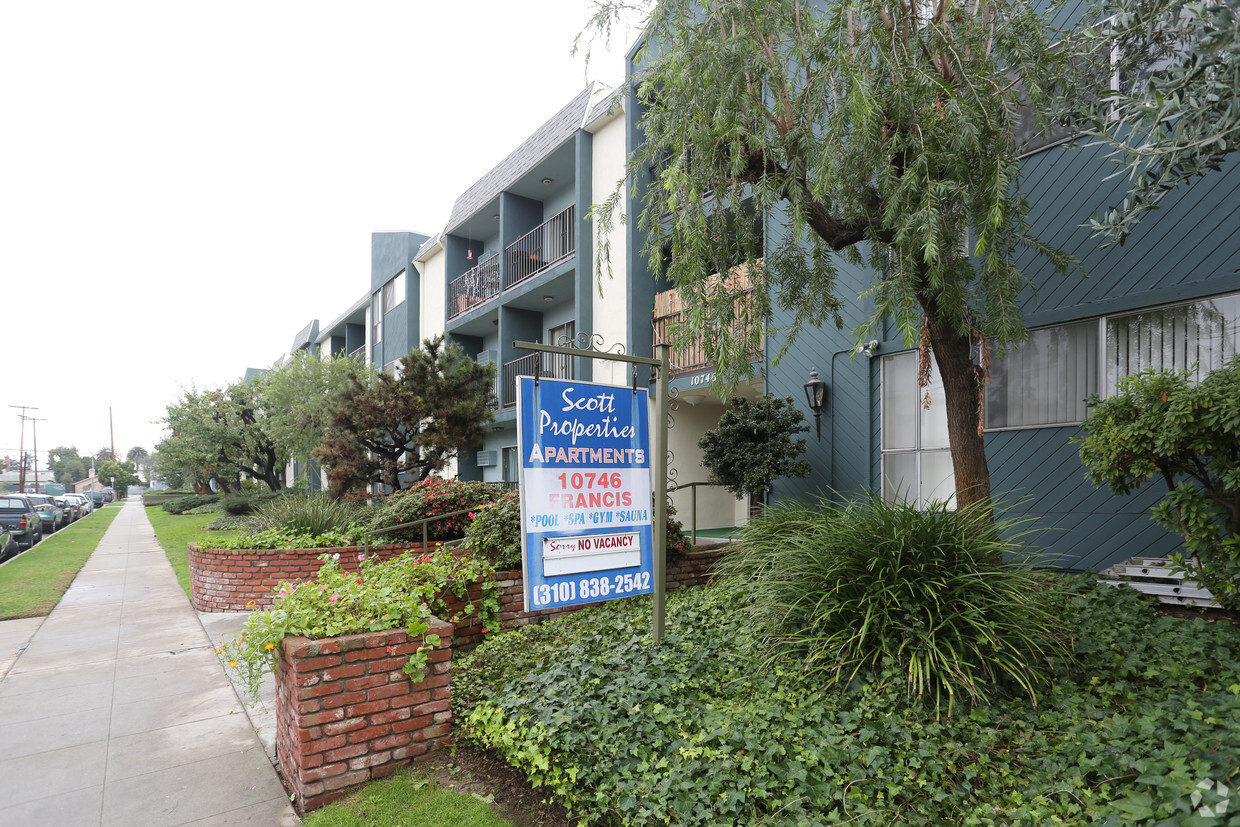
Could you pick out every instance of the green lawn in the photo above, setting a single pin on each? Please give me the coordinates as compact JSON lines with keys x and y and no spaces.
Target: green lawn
{"x":175,"y":532}
{"x":409,"y":800}
{"x":32,"y":583}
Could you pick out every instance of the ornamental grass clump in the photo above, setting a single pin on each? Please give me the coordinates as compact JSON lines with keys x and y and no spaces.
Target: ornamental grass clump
{"x":857,"y":586}
{"x":403,"y":592}
{"x":306,"y":512}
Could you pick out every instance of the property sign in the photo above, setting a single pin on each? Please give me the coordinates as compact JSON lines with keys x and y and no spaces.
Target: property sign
{"x":585,"y":492}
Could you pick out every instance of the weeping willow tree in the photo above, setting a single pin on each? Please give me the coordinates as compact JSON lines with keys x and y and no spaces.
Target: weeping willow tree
{"x":873,"y":132}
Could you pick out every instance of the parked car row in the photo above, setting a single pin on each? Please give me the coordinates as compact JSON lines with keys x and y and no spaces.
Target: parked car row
{"x":26,"y":518}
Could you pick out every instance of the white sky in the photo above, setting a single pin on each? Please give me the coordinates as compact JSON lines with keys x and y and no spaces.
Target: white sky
{"x":185,"y":186}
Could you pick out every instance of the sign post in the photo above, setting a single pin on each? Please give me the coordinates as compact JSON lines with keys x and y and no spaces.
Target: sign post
{"x":593,"y":488}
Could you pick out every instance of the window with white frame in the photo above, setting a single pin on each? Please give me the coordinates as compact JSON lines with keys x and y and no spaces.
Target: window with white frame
{"x":509,"y":463}
{"x":1044,"y":380}
{"x":394,"y":292}
{"x":1197,"y":336}
{"x":376,"y":319}
{"x":916,"y":457}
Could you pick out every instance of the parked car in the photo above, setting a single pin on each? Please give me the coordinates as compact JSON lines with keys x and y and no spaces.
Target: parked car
{"x":108,"y":495}
{"x":96,"y":498}
{"x":18,"y":515}
{"x":8,"y":546}
{"x":88,"y":506}
{"x":83,"y":504}
{"x":71,"y":507}
{"x":51,"y":514}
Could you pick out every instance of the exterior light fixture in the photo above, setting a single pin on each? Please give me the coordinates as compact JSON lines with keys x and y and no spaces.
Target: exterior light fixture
{"x":816,"y":397}
{"x":546,"y":180}
{"x":869,"y":348}
{"x":548,"y":299}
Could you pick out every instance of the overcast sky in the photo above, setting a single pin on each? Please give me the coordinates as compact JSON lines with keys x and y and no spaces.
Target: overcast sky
{"x":185,"y":186}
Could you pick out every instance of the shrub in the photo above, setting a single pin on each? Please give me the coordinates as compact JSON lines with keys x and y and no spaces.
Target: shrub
{"x":1162,"y":425}
{"x":753,"y":444}
{"x":179,"y":505}
{"x":400,"y":593}
{"x":227,"y":522}
{"x":303,"y":513}
{"x":426,"y":499}
{"x":274,"y":538}
{"x":495,"y":533}
{"x":849,"y":587}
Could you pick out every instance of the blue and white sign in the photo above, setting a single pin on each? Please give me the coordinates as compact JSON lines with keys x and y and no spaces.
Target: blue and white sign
{"x":585,"y":492}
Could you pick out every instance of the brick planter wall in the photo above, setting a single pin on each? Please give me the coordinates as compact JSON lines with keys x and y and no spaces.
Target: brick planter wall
{"x":346,"y":713}
{"x":241,"y":580}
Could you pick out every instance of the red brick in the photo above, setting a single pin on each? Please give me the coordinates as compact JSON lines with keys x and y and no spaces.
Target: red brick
{"x":374,"y":759}
{"x":346,"y":752}
{"x":367,"y":708}
{"x":344,"y":727}
{"x":392,"y":690}
{"x":346,"y":780}
{"x":340,"y":672}
{"x":317,"y":691}
{"x":315,"y":664}
{"x":390,"y":716}
{"x":367,"y":682}
{"x":436,"y":731}
{"x":369,"y":734}
{"x":398,"y":739}
{"x":343,"y":699}
{"x":327,"y":716}
{"x":319,"y":773}
{"x":323,"y":745}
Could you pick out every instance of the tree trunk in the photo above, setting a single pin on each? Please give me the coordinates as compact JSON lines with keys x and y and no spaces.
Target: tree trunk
{"x":962,"y":387}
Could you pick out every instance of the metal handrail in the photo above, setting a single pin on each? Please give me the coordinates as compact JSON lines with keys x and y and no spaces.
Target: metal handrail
{"x":547,"y":244}
{"x":475,"y":286}
{"x":423,"y":522}
{"x":693,"y":486}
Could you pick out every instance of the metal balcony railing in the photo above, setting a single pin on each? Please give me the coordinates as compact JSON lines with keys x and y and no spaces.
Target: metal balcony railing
{"x":691,"y":356}
{"x":474,"y":287}
{"x":554,"y":366}
{"x":545,"y":245}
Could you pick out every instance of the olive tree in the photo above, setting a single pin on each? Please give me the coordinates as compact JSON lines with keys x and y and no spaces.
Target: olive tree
{"x":871,"y":132}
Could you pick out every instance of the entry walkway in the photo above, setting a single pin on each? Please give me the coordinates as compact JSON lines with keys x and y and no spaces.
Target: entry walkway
{"x":117,"y":712}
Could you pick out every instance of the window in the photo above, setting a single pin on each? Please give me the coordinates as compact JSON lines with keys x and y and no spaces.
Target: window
{"x":1044,"y":380}
{"x":1197,"y":336}
{"x":557,"y":364}
{"x":394,"y":293}
{"x":916,"y":459}
{"x":376,"y":319}
{"x":394,"y":369}
{"x":509,"y":464}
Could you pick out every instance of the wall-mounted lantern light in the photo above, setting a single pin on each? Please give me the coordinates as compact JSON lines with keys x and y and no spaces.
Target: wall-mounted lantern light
{"x":816,"y":397}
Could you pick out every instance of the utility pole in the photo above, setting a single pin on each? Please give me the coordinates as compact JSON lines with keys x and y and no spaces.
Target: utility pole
{"x":21,"y":452}
{"x":111,"y":433}
{"x":34,"y":431}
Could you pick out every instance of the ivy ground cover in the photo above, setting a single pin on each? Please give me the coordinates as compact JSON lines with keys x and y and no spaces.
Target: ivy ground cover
{"x":1140,"y":727}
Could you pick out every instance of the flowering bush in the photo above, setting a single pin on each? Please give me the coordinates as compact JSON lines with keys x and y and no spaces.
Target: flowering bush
{"x":427,"y":499}
{"x":400,"y":593}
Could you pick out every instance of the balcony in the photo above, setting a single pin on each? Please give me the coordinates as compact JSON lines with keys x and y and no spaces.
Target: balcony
{"x":691,"y":356}
{"x":554,"y":366}
{"x":542,"y":247}
{"x":475,"y":287}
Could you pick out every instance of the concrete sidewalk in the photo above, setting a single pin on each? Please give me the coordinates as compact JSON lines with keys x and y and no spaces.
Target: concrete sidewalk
{"x":116,"y":712}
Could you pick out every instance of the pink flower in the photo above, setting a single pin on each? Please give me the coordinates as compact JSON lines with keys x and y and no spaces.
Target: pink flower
{"x":334,"y":597}
{"x":389,"y":650}
{"x":361,"y":558}
{"x":283,"y":591}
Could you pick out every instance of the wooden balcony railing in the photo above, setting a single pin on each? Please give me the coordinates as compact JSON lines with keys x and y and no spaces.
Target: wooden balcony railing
{"x":545,"y":245}
{"x":692,"y":356}
{"x":475,"y":287}
{"x":554,"y":366}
